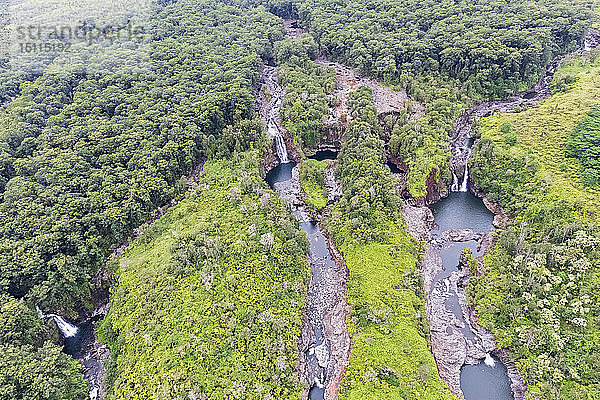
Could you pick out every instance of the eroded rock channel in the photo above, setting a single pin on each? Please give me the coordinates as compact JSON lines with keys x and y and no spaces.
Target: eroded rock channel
{"x":325,"y":342}
{"x":466,"y":354}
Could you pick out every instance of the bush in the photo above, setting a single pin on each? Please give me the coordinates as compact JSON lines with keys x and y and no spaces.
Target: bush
{"x":312,"y":179}
{"x":584,"y":144}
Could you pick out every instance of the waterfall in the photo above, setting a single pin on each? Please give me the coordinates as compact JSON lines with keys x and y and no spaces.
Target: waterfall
{"x":66,"y":328}
{"x":276,"y":135}
{"x":454,"y":182}
{"x":465,"y":182}
{"x":275,"y":103}
{"x":489,"y":361}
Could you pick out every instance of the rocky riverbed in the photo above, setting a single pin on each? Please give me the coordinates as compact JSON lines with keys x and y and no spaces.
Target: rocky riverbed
{"x":324,"y":343}
{"x":456,"y":338}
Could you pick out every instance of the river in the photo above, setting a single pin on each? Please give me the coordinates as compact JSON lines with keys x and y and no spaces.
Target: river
{"x":324,"y":344}
{"x":462,"y":220}
{"x":465,"y":352}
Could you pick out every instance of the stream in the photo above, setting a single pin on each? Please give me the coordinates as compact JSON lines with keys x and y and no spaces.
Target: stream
{"x":466,"y":354}
{"x":81,"y":343}
{"x":324,"y":343}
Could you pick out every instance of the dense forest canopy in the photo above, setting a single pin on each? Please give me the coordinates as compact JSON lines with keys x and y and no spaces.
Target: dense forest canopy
{"x":444,"y":54}
{"x":584,"y":144}
{"x":390,"y":357}
{"x":490,"y":46}
{"x":93,"y":143}
{"x":305,"y":105}
{"x":209,"y":299}
{"x":86,"y":157}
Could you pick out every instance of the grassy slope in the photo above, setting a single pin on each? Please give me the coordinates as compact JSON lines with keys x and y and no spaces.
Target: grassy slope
{"x":390,"y":358}
{"x":177,"y":338}
{"x":544,"y":131}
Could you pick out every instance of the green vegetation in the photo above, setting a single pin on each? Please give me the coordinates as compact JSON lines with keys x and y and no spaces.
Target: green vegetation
{"x":539,"y":289}
{"x":390,"y":358}
{"x":305,"y":106}
{"x":31,"y":366}
{"x":209,"y":298}
{"x":584,"y":144}
{"x":491,"y":47}
{"x":445,"y":55}
{"x":78,"y":151}
{"x":312,"y":179}
{"x":18,"y":66}
{"x":85,"y":157}
{"x":539,"y":165}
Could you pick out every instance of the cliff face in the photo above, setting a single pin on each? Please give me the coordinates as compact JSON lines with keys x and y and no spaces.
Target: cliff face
{"x":435,"y":191}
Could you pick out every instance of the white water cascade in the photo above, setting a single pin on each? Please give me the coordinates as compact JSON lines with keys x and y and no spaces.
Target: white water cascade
{"x":65,"y":327}
{"x":274,"y":132}
{"x":489,"y":361}
{"x":455,"y":186}
{"x":465,"y":182}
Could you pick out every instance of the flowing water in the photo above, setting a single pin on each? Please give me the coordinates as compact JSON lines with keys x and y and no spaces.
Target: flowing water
{"x":326,"y":292}
{"x":484,"y":377}
{"x":488,"y":379}
{"x":274,"y":127}
{"x":325,"y":342}
{"x":78,"y":341}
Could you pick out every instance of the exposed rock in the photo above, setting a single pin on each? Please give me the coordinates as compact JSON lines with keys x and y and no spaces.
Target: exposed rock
{"x":452,"y":344}
{"x":436,"y":190}
{"x":324,"y":343}
{"x":419,"y":221}
{"x":96,"y":355}
{"x":517,"y":385}
{"x":335,"y":326}
{"x":333,"y":136}
{"x":386,"y":100}
{"x":501,"y":218}
{"x":333,"y":186}
{"x":293,"y":29}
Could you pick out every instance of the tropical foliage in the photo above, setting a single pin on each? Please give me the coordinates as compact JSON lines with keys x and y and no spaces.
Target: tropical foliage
{"x":86,"y":157}
{"x":584,"y":144}
{"x":390,"y":357}
{"x":305,"y":104}
{"x":312,"y":179}
{"x":538,"y":291}
{"x":445,"y":55}
{"x":209,"y":299}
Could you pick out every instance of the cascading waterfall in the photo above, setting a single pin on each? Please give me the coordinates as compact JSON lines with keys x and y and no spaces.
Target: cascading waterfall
{"x":465,"y":182}
{"x":270,"y":78}
{"x":66,"y":328}
{"x":489,"y":361}
{"x":274,"y":132}
{"x":455,"y":185}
